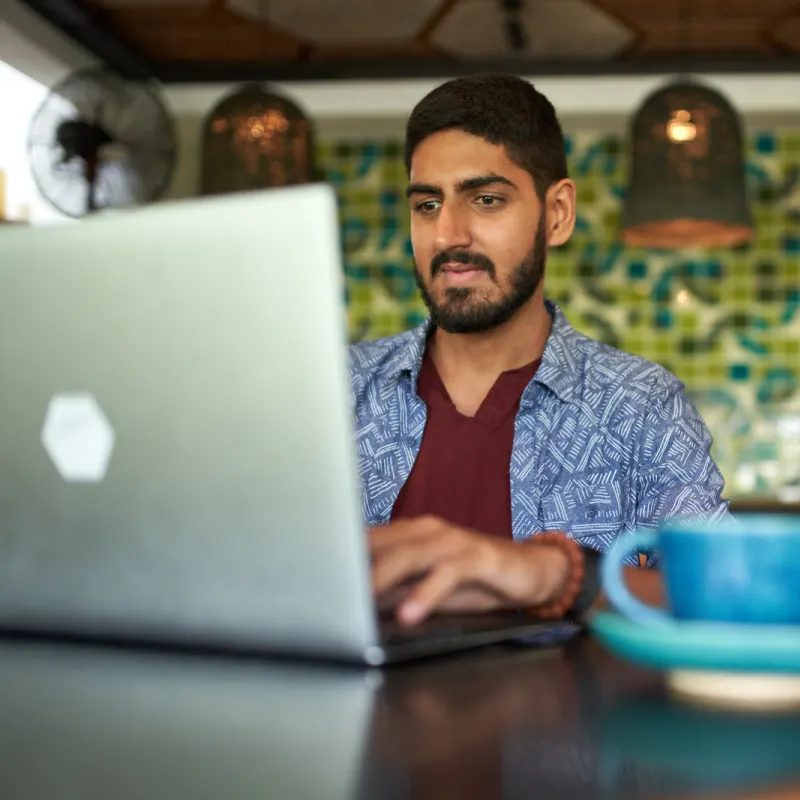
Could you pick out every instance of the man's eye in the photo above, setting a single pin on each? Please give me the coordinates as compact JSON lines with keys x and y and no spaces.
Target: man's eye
{"x":427,"y":205}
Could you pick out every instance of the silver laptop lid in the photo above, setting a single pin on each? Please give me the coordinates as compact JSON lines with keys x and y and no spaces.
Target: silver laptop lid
{"x":175,"y":427}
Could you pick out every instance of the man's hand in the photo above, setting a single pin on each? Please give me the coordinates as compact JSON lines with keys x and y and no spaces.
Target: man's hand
{"x":426,"y":565}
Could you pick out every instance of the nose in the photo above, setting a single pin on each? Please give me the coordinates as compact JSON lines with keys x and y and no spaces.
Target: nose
{"x":452,"y":229}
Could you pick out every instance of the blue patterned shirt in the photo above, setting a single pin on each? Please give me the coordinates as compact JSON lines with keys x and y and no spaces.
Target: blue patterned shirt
{"x":604,"y":441}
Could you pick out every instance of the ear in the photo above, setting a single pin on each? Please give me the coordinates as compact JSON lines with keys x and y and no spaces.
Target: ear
{"x":560,"y":201}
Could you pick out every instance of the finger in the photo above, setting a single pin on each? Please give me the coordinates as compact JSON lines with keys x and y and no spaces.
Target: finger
{"x":469,"y":598}
{"x":430,"y":593}
{"x":410,"y":560}
{"x":466,"y":598}
{"x":388,"y":602}
{"x":402,"y":564}
{"x":384,"y":537}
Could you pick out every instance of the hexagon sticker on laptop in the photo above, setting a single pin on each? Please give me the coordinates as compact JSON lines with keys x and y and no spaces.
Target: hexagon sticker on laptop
{"x":78,"y":437}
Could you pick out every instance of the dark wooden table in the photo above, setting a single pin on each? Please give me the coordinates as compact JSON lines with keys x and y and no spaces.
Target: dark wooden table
{"x":510,"y":722}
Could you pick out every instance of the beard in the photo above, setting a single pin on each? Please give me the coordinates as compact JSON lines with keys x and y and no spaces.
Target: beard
{"x":467,"y":310}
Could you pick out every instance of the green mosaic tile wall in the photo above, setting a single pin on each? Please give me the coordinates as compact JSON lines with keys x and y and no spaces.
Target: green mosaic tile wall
{"x":726,"y":322}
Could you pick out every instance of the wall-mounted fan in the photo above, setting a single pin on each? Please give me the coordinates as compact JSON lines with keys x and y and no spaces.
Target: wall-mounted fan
{"x":101,"y":141}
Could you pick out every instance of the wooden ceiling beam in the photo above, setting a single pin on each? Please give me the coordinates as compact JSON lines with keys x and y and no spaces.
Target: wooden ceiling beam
{"x":425,"y":68}
{"x":190,"y":42}
{"x":87,"y":27}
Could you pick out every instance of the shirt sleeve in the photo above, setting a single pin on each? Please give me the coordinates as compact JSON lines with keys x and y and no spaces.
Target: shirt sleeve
{"x":676,"y":474}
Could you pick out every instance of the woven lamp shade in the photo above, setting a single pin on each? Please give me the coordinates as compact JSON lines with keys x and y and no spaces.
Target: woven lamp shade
{"x":687,"y":174}
{"x":254,"y":139}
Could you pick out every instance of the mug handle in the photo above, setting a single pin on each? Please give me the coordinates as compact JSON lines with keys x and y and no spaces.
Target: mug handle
{"x":613,"y":580}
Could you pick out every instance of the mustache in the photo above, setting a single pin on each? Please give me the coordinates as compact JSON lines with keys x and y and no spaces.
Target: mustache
{"x":461,"y":257}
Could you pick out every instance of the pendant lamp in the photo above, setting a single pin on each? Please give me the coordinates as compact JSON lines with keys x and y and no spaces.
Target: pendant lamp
{"x":254,"y":139}
{"x":687,"y":174}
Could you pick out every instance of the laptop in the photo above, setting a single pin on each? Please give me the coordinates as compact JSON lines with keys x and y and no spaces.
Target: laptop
{"x":176,"y":445}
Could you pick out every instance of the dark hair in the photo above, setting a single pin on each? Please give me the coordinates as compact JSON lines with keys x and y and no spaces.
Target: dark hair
{"x":502,"y":109}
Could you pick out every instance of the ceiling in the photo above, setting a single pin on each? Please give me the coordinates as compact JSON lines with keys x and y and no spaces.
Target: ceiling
{"x":305,"y":39}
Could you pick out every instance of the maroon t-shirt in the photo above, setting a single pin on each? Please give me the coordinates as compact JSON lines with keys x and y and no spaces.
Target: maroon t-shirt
{"x":462,"y":470}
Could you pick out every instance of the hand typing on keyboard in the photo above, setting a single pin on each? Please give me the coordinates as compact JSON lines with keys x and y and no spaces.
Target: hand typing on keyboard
{"x":425,"y":565}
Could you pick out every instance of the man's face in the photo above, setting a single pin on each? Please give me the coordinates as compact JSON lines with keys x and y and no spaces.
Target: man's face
{"x":478,"y":231}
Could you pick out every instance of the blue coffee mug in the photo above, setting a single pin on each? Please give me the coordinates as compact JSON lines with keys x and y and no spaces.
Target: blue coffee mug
{"x":743,"y":570}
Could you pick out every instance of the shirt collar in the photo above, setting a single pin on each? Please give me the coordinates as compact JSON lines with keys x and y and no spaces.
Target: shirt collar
{"x":558,"y":370}
{"x":407,"y":359}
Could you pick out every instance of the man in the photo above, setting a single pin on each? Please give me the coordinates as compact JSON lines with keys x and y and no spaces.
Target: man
{"x":496,"y":422}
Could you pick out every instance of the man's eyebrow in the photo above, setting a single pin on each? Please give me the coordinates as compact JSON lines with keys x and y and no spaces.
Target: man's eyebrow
{"x":423,"y":188}
{"x":480,"y":181}
{"x":466,"y":185}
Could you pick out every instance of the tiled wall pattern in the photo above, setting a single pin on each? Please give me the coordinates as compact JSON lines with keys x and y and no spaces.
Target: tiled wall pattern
{"x":725,"y":322}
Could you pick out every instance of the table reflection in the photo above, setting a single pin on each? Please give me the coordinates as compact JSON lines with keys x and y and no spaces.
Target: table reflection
{"x":507,"y":722}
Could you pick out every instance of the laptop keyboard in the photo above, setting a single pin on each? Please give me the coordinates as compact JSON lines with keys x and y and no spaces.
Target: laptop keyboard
{"x":446,"y":627}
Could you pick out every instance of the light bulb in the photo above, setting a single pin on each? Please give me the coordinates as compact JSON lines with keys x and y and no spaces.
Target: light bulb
{"x":680,"y":128}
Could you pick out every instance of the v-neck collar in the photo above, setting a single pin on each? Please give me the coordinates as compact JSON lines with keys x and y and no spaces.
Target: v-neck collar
{"x":502,"y":399}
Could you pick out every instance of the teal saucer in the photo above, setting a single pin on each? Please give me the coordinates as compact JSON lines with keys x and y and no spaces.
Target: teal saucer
{"x":704,"y":646}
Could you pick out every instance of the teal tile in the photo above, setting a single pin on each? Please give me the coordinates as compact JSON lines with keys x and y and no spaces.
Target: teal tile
{"x":637,"y":269}
{"x":765,"y":143}
{"x":663,"y":318}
